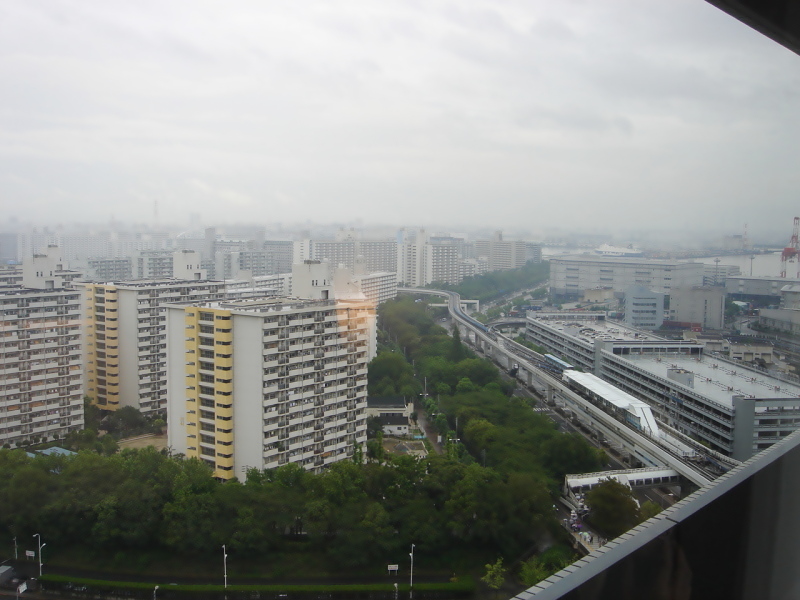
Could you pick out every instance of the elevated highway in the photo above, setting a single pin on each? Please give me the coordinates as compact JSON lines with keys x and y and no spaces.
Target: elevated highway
{"x":508,"y":354}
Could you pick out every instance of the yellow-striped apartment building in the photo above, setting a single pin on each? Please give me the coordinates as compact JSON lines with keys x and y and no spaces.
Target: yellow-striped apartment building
{"x":125,"y":346}
{"x":265,"y":382}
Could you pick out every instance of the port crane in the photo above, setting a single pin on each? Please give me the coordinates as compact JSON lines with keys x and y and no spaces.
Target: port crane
{"x":792,"y":252}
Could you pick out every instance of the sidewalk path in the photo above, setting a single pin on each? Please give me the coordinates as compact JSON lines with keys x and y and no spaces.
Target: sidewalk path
{"x":427,"y":428}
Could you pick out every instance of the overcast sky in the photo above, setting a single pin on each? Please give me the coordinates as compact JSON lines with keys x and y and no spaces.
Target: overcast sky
{"x":505,"y":113}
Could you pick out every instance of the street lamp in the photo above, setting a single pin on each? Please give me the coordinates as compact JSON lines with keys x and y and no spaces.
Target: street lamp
{"x":155,"y":589}
{"x":41,"y":545}
{"x":411,"y":581}
{"x":225,"y":566}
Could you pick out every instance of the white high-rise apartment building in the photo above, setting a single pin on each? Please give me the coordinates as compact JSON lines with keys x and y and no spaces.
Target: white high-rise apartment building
{"x":501,"y":254}
{"x":125,"y":339}
{"x":420,"y":262}
{"x":165,"y":264}
{"x":377,"y":287}
{"x":372,"y":255}
{"x":40,"y":354}
{"x":265,"y":382}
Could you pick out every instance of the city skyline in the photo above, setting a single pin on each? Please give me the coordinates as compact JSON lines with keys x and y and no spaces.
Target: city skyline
{"x":632,"y":116}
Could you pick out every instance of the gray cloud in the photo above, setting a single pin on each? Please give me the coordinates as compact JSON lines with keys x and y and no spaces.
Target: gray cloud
{"x":609,"y":113}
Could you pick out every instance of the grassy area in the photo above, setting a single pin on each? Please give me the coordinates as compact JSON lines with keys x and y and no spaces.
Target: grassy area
{"x":461,"y":588}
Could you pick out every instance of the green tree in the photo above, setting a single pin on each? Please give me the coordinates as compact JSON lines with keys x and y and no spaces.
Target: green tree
{"x":442,"y":388}
{"x":613,"y":509}
{"x":191,"y":523}
{"x":125,"y":421}
{"x":388,"y":368}
{"x":479,"y":434}
{"x":648,"y":510}
{"x":465,"y":385}
{"x":128,"y":517}
{"x":569,"y":453}
{"x":91,"y":414}
{"x":542,"y":566}
{"x":495,"y":575}
{"x":375,"y":449}
{"x":479,"y":371}
{"x":457,"y":351}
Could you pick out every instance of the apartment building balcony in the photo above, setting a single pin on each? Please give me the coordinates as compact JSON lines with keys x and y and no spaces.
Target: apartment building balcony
{"x":224,"y":436}
{"x":295,"y":360}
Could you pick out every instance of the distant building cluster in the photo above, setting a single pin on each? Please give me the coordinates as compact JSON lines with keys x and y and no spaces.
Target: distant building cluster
{"x":418,"y":257}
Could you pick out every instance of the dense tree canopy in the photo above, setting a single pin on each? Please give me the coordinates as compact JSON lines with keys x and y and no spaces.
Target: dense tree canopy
{"x":613,"y":509}
{"x":145,"y":499}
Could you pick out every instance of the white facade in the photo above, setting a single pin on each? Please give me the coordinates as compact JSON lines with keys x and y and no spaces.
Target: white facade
{"x":373,"y":255}
{"x":312,"y":279}
{"x":80,"y":245}
{"x":501,"y":254}
{"x":374,"y":287}
{"x":164,"y":264}
{"x":420,"y":262}
{"x":47,"y":270}
{"x":41,"y":395}
{"x":186,"y":265}
{"x":571,"y":275}
{"x":105,"y":269}
{"x":644,"y":309}
{"x":377,"y":287}
{"x":301,"y":250}
{"x":534,"y":252}
{"x":262,"y":383}
{"x":250,"y":263}
{"x":470,"y":267}
{"x":698,"y":304}
{"x":717,"y":274}
{"x":264,"y":286}
{"x":786,"y":320}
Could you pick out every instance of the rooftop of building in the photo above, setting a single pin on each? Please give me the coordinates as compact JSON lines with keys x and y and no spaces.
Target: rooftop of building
{"x":149,"y":283}
{"x":19,"y":290}
{"x":265,"y":305}
{"x":621,"y":260}
{"x":717,"y":379}
{"x":386,"y":402}
{"x":393,"y":419}
{"x":375,"y":275}
{"x":577,"y":325}
{"x":775,"y":278}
